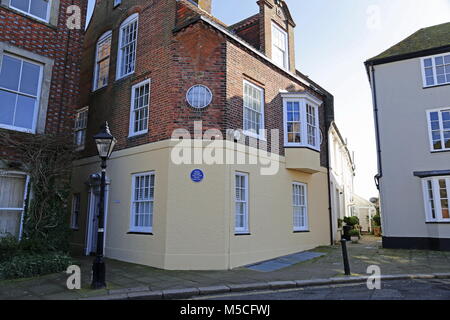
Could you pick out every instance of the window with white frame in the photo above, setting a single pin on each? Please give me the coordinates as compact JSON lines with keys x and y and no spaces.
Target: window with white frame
{"x":81,"y":120}
{"x":39,"y":9}
{"x":280,"y":53}
{"x":300,"y":206}
{"x":439,"y":129}
{"x":436,"y":70}
{"x":127,"y":46}
{"x":301,"y":123}
{"x":74,"y":218}
{"x":241,"y":203}
{"x":436,"y":193}
{"x":142,"y":202}
{"x":20,"y":89}
{"x":140,"y":101}
{"x":102,"y":59}
{"x":12,"y":195}
{"x":253,"y":110}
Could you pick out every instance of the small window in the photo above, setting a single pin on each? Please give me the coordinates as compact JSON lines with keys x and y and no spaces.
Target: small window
{"x":439,"y":129}
{"x":39,"y":9}
{"x":142,"y":202}
{"x":20,"y":89}
{"x":300,"y":207}
{"x":253,"y":110}
{"x":436,"y":70}
{"x":74,"y":218}
{"x":102,"y":60}
{"x":80,"y":128}
{"x":280,"y":53}
{"x":301,"y":123}
{"x":12,"y":195}
{"x":241,"y":201}
{"x":127,"y":47}
{"x":199,"y":96}
{"x":140,"y":101}
{"x":436,"y":193}
{"x":117,"y":2}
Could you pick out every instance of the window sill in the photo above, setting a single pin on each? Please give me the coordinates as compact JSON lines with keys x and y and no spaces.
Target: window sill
{"x":137,"y":135}
{"x":438,"y":222}
{"x":95,"y":91}
{"x":11,"y":128}
{"x":140,"y":233}
{"x":290,"y":146}
{"x":436,"y":86}
{"x":243,"y":234}
{"x":301,"y":231}
{"x":254,"y":136}
{"x":440,"y":151}
{"x":125,"y":77}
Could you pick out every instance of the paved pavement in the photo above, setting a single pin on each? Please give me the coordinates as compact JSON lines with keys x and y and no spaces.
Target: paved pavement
{"x":416,"y":289}
{"x":124,"y":277}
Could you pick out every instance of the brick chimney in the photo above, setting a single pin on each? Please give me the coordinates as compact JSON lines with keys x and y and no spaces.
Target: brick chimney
{"x":204,"y":4}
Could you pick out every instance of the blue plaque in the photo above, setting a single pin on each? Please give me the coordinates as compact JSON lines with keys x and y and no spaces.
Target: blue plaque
{"x":197,"y":175}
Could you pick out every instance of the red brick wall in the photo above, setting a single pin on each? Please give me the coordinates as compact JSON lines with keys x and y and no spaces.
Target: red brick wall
{"x":62,"y":45}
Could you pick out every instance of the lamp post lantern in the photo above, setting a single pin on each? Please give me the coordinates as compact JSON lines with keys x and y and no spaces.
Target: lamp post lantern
{"x":105,"y":144}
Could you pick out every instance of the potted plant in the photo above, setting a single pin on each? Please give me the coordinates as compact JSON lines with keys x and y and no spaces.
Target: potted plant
{"x":354,"y":235}
{"x":350,"y":223}
{"x":376,"y":224}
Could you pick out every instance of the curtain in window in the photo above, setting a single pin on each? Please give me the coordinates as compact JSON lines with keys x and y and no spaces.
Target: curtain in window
{"x":11,"y":204}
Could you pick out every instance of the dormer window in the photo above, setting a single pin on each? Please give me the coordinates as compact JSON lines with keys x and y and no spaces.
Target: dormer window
{"x":280,"y":53}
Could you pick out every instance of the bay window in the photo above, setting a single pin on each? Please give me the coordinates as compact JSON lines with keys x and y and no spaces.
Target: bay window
{"x":301,"y":121}
{"x":436,"y":193}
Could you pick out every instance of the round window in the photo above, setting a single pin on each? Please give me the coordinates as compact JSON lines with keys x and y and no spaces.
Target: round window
{"x":199,"y":96}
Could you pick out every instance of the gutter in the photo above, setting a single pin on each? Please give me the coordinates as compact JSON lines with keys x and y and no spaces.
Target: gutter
{"x":379,"y":175}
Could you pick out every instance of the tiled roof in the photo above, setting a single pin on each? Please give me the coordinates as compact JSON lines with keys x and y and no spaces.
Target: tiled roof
{"x":425,"y":39}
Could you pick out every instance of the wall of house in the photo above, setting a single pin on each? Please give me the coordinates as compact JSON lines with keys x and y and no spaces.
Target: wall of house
{"x":402,"y":103}
{"x":58,"y":49}
{"x":194,"y":222}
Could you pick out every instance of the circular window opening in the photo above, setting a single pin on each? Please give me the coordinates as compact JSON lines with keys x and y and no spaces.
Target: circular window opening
{"x":199,"y":96}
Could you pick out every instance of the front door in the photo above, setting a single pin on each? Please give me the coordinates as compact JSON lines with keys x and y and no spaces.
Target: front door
{"x":94,"y":207}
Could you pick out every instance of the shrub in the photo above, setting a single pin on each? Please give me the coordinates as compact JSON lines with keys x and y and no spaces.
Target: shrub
{"x":30,"y":265}
{"x":376,"y":219}
{"x":351,"y":221}
{"x":354,"y":233}
{"x":9,"y":246}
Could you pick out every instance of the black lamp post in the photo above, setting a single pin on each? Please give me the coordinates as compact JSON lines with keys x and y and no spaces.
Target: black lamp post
{"x":105,"y":144}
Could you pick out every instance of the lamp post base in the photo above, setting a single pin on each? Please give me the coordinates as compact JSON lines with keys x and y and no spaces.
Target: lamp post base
{"x":98,"y":274}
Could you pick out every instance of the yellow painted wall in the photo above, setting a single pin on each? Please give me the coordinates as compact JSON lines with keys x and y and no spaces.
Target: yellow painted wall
{"x":193,"y":223}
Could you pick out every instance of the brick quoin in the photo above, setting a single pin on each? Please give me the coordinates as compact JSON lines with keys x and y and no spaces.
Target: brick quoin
{"x":58,"y":43}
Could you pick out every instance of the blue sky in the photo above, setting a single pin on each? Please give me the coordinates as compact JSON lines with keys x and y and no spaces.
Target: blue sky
{"x":333,"y":39}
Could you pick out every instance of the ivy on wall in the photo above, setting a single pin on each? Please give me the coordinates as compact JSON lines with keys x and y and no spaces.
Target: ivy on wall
{"x":47,"y":159}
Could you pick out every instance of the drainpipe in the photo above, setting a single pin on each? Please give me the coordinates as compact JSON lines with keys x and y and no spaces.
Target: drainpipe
{"x":329,"y":178}
{"x":377,"y":129}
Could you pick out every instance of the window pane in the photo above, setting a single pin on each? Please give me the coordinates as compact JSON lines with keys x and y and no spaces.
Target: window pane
{"x":39,"y":8}
{"x":24,"y":112}
{"x":10,"y":73}
{"x":20,"y":4}
{"x":7,"y":106}
{"x":428,"y":62}
{"x":30,"y":78}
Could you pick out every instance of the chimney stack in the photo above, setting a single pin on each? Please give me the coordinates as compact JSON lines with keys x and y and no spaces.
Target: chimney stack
{"x":204,"y":4}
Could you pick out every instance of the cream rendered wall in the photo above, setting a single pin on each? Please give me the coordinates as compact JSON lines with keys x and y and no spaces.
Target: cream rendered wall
{"x":404,"y":141}
{"x":194,"y":222}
